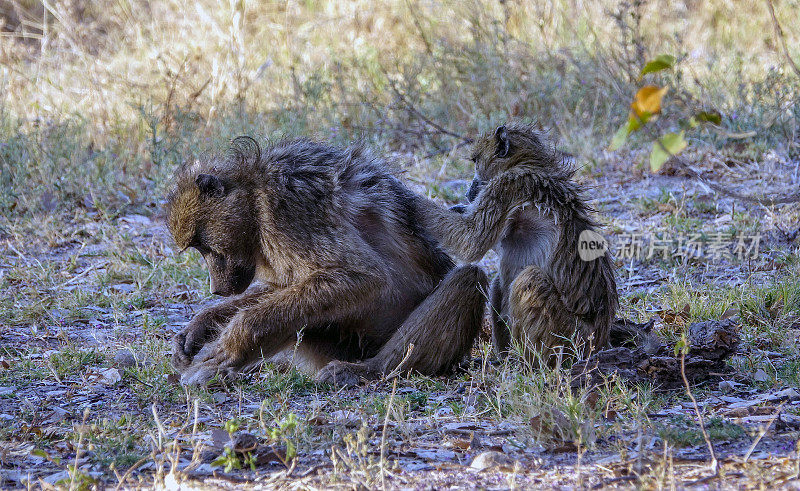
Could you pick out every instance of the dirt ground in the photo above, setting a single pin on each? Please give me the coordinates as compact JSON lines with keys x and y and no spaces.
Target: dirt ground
{"x":88,"y":399}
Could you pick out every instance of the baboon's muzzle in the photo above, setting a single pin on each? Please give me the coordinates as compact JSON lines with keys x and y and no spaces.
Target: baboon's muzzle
{"x":234,"y":283}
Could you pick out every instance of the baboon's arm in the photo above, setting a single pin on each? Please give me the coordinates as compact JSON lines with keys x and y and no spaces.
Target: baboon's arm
{"x":206,"y":325}
{"x":323,"y":298}
{"x":472,"y":233}
{"x":222,"y":312}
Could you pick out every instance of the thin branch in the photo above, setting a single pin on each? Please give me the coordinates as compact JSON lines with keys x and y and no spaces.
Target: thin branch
{"x":763,"y":432}
{"x":413,"y":110}
{"x":383,"y":434}
{"x":765,"y":201}
{"x":714,"y":461}
{"x":781,"y":37}
{"x":445,"y":150}
{"x":399,"y":368}
{"x":418,"y":25}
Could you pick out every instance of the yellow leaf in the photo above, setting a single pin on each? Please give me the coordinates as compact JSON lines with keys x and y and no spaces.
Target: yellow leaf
{"x":648,"y":101}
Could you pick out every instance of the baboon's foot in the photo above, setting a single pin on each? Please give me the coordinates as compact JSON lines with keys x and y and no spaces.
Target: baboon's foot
{"x":211,"y":363}
{"x":346,"y":374}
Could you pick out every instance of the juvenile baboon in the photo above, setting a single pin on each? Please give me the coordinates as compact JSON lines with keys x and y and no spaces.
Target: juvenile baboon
{"x":524,"y":201}
{"x":341,"y":265}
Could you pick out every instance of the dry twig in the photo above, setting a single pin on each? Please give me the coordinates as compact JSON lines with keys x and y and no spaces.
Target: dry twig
{"x":714,"y":461}
{"x":781,"y":37}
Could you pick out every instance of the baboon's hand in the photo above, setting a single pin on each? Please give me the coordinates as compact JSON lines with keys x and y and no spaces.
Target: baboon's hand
{"x":211,"y":362}
{"x":188,"y":342}
{"x":345,"y":374}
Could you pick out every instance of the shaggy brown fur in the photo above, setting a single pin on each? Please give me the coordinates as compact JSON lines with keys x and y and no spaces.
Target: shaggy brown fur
{"x":340,"y":264}
{"x":525,"y":202}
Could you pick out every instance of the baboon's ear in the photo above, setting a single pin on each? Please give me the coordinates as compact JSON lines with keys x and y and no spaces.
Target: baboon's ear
{"x":503,"y":144}
{"x":210,"y":185}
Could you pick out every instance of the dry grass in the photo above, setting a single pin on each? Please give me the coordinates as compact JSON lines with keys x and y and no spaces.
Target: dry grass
{"x":116,"y":92}
{"x":101,"y":100}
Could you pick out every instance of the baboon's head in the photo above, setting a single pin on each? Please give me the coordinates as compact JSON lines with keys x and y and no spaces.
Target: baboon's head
{"x":211,"y":208}
{"x":506,"y":147}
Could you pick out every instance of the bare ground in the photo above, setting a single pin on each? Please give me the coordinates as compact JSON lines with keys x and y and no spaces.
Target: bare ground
{"x":86,"y":392}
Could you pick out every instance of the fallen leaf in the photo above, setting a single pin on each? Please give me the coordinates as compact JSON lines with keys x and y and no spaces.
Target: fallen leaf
{"x":57,"y":415}
{"x":789,"y":394}
{"x":109,"y":376}
{"x":459,"y":427}
{"x":123,"y":287}
{"x":318,"y":420}
{"x":761,"y":376}
{"x":536,"y":423}
{"x":728,"y":385}
{"x":492,"y":459}
{"x":244,"y":442}
{"x":438,"y":455}
{"x":671,"y":317}
{"x":220,"y":437}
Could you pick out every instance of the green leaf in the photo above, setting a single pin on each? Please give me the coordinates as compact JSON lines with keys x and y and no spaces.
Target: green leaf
{"x":661,"y":62}
{"x":619,"y":137}
{"x":635,"y":123}
{"x":632,"y":124}
{"x":671,"y":144}
{"x":682,"y":346}
{"x":709,"y":117}
{"x":231,"y":426}
{"x":291,"y":450}
{"x":40,"y":453}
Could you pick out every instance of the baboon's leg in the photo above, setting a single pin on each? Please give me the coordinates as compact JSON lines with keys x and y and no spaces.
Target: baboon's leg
{"x":320,"y":347}
{"x":541,"y":322}
{"x":442,"y":329}
{"x":313,"y":350}
{"x":206,"y":326}
{"x":501,"y":325}
{"x":272,"y":322}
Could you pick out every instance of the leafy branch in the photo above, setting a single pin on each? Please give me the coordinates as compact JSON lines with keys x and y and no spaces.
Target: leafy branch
{"x":646,"y":106}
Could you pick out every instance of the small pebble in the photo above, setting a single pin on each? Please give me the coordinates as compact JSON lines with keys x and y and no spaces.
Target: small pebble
{"x":492,"y":458}
{"x":124,"y":359}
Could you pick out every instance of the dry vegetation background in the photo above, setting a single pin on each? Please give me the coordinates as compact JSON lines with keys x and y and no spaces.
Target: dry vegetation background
{"x":101,"y":100}
{"x":118,"y":92}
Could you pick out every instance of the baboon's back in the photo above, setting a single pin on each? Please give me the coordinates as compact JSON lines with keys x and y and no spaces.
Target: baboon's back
{"x":324,"y":187}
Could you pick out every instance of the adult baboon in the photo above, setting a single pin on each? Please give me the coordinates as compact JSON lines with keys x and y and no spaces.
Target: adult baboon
{"x":524,"y":201}
{"x":341,"y":265}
